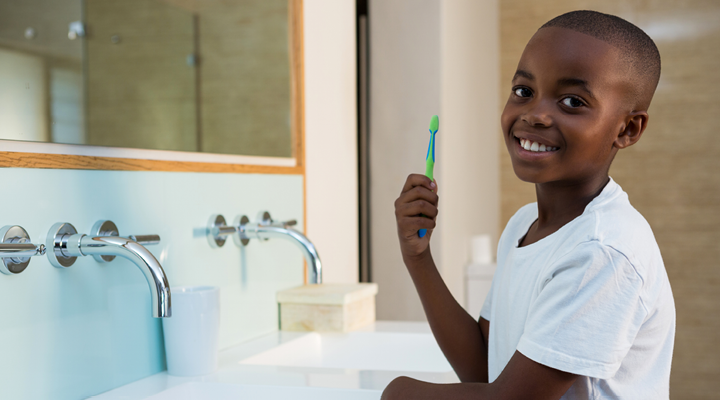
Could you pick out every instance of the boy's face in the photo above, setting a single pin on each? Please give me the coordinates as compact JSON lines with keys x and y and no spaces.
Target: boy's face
{"x":568,"y":94}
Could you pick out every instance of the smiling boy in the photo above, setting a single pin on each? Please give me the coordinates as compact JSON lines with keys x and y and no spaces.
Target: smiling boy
{"x":580,"y":305}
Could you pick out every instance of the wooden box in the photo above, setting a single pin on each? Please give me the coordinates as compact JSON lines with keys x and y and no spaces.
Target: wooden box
{"x":327,"y":307}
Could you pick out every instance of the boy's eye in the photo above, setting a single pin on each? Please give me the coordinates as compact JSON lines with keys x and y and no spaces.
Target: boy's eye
{"x":521,"y":91}
{"x":572,"y":102}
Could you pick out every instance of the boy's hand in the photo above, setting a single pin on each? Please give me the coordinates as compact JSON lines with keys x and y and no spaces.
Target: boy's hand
{"x":416,"y":209}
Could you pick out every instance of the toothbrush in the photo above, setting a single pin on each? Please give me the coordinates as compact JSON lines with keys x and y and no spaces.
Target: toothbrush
{"x":430,"y":157}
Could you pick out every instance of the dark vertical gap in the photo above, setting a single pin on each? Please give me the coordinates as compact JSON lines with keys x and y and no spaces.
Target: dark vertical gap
{"x":48,"y":64}
{"x":198,"y":83}
{"x":363,"y":168}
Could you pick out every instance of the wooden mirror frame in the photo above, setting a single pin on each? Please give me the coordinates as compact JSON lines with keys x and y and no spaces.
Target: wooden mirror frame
{"x":10,"y":159}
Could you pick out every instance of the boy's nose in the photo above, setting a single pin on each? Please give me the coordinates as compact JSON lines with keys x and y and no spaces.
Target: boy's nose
{"x":537,"y":115}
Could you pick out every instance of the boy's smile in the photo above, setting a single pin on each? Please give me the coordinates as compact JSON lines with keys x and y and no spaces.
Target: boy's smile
{"x":568,"y":108}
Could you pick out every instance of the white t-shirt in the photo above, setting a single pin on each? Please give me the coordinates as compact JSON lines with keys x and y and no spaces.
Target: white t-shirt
{"x":592,"y":299}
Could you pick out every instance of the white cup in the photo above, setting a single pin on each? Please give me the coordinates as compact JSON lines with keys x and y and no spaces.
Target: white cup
{"x":191,"y":333}
{"x":481,"y":249}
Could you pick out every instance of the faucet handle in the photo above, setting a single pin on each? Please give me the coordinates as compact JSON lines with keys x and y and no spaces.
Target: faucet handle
{"x":15,"y":245}
{"x":218,"y":230}
{"x":145,"y":239}
{"x":265,"y":219}
{"x":108,"y":228}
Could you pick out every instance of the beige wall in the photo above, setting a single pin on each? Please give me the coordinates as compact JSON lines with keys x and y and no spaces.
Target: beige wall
{"x":468,"y":177}
{"x":331,"y":136}
{"x":432,"y":57}
{"x":404,"y":94}
{"x":671,"y":174}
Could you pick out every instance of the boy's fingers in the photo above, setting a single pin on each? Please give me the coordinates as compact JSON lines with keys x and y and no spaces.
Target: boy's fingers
{"x":414,"y":180}
{"x":411,"y":225}
{"x":417,"y":193}
{"x":417,"y":207}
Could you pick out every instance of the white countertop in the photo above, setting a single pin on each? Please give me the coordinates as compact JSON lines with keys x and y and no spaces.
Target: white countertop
{"x":231,"y":370}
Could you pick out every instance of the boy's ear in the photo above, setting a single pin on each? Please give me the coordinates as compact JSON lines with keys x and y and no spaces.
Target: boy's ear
{"x":635,"y":124}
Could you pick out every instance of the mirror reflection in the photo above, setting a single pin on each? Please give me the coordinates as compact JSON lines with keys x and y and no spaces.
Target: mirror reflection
{"x":189,"y":75}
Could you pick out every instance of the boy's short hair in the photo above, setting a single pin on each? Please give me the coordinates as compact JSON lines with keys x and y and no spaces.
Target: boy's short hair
{"x":636,"y":47}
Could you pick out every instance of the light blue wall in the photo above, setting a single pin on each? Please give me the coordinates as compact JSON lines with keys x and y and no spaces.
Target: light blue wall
{"x":73,"y":333}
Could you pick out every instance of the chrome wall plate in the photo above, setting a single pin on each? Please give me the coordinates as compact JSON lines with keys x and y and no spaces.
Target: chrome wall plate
{"x":56,"y":242}
{"x":104,"y":228}
{"x":14,"y":234}
{"x":218,"y":231}
{"x":241,"y":238}
{"x":264,"y":219}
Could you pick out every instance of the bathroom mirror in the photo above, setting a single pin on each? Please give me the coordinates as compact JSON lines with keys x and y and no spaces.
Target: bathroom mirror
{"x":188,"y":76}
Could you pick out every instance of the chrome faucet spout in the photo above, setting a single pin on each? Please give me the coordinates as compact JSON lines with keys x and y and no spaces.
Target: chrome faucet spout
{"x":301,"y":241}
{"x":65,"y":245}
{"x":141,"y":257}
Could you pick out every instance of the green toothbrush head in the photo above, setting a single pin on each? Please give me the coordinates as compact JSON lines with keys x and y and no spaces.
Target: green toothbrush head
{"x":434,"y":123}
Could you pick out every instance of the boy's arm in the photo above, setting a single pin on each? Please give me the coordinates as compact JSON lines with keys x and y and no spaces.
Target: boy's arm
{"x":521,"y":379}
{"x":459,"y":336}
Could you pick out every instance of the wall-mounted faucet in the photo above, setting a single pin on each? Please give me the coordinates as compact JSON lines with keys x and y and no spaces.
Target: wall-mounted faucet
{"x":16,"y":249}
{"x":104,"y":243}
{"x":265,"y":228}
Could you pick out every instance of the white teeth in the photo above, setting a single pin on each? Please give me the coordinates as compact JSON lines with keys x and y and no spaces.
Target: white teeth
{"x":529,"y":145}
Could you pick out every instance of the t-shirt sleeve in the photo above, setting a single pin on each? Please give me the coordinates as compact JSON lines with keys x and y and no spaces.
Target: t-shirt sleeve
{"x":587,"y":314}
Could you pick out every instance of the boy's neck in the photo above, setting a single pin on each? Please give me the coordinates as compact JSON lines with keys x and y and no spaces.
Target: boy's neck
{"x":563,"y":201}
{"x":560,"y":203}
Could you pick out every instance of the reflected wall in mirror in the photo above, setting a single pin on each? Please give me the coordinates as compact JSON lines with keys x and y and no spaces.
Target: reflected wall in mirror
{"x":190,"y":75}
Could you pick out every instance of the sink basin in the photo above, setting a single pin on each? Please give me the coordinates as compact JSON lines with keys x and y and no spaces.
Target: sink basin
{"x":298,"y":365}
{"x":225,"y":391}
{"x":377,"y":351}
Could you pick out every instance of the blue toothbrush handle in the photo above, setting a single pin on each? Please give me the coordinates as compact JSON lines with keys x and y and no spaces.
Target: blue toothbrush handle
{"x":429,"y":163}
